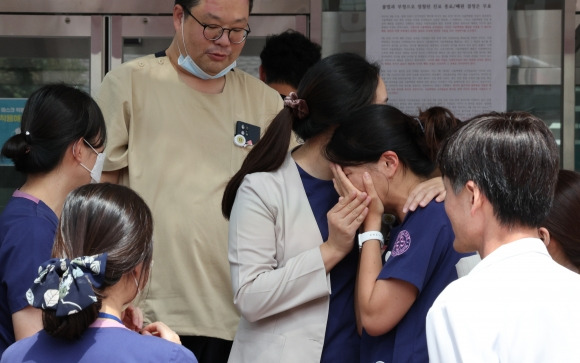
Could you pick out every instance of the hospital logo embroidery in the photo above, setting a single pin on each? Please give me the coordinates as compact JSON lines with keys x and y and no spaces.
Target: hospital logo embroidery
{"x":402,"y":243}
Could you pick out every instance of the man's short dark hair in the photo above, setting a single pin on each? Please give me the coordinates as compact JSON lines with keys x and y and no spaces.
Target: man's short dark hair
{"x":513,"y":159}
{"x":191,"y":3}
{"x":287,"y":56}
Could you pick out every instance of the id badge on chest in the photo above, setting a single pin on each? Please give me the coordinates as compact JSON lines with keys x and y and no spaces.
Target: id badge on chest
{"x":246,"y":134}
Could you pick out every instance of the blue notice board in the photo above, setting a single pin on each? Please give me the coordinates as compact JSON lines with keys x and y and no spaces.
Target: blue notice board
{"x":10,"y":116}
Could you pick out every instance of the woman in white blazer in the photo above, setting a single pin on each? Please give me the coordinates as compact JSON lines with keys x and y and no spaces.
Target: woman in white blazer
{"x":291,"y":240}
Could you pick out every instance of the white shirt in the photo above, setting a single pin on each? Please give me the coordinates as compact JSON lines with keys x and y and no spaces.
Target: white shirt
{"x":516,"y":305}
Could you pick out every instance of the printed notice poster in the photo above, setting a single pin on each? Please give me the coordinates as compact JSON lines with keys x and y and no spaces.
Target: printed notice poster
{"x":440,"y":53}
{"x":10,"y":115}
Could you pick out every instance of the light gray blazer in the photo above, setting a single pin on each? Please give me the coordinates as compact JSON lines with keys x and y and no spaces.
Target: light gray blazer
{"x":280,"y":284}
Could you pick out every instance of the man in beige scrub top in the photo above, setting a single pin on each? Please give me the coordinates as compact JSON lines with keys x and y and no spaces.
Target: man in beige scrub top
{"x":171,"y":120}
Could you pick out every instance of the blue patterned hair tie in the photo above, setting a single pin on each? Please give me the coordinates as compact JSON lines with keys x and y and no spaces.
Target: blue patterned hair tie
{"x":67,"y":285}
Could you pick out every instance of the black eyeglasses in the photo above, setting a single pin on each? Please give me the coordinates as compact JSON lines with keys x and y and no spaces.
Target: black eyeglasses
{"x":214,"y":31}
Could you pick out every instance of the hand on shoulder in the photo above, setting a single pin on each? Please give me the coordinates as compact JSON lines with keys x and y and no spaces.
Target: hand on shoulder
{"x":424,"y":193}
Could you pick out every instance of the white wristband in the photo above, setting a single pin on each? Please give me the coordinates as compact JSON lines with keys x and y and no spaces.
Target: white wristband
{"x":363,"y":237}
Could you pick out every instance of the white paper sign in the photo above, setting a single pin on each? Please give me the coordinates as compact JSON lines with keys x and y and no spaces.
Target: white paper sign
{"x":440,"y":53}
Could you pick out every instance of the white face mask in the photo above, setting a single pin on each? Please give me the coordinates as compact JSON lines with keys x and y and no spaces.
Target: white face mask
{"x":189,"y":65}
{"x":98,"y":167}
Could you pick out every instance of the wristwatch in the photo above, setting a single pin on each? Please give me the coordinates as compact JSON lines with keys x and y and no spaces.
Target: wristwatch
{"x":363,"y":237}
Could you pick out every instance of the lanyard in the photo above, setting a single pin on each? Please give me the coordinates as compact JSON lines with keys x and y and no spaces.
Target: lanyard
{"x":109,"y":316}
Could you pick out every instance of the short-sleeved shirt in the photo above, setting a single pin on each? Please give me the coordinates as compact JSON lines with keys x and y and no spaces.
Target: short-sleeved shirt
{"x":516,"y":305}
{"x":421,"y":253}
{"x":27,"y":228}
{"x":341,"y":341}
{"x":176,"y":148}
{"x":112,"y":344}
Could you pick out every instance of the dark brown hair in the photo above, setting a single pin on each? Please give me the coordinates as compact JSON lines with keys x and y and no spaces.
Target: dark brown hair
{"x":54,"y":117}
{"x":366,"y":133}
{"x":438,"y":123}
{"x":99,"y":218}
{"x":562,"y":221}
{"x":332,"y":87}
